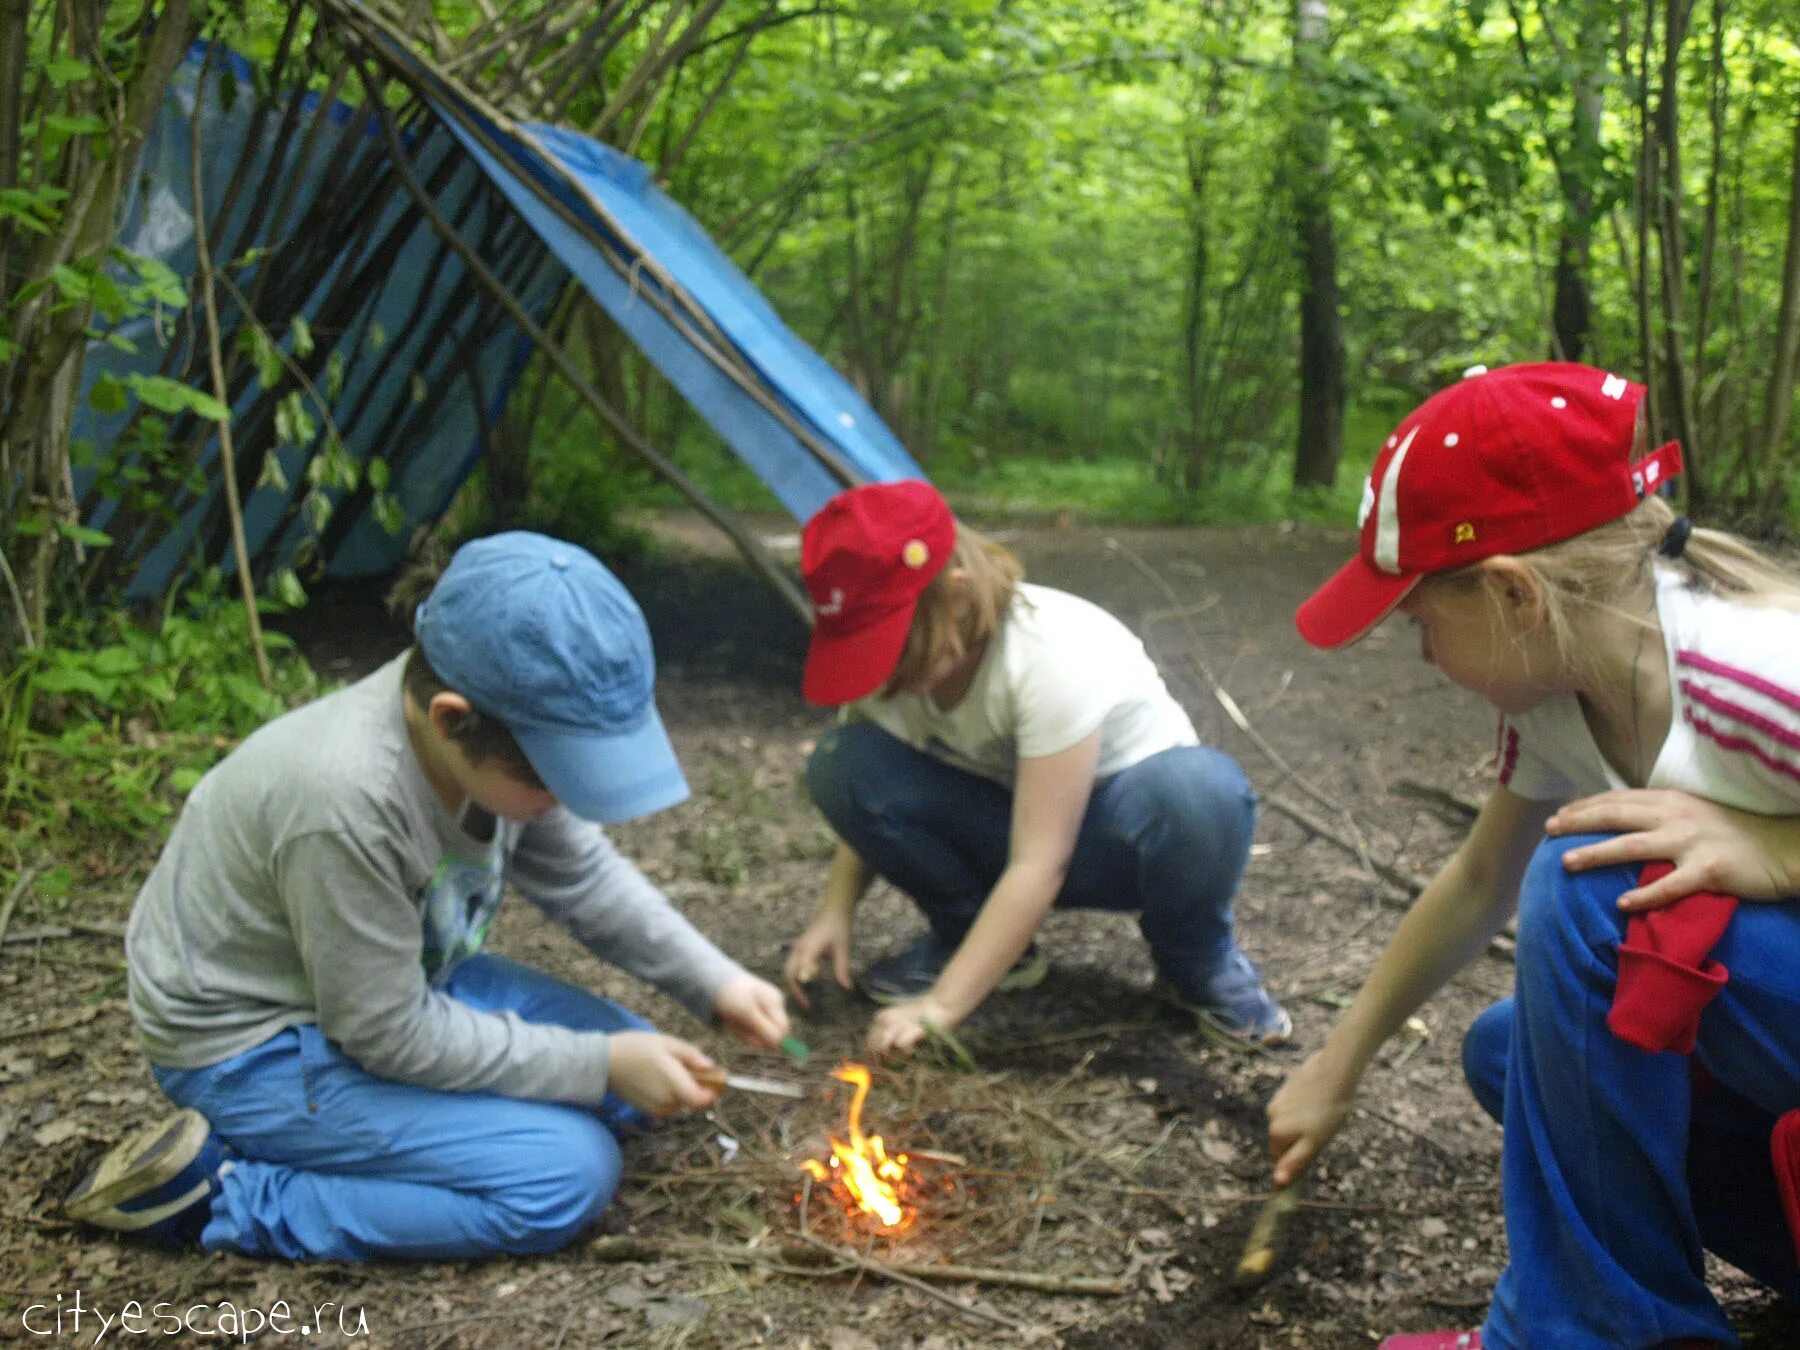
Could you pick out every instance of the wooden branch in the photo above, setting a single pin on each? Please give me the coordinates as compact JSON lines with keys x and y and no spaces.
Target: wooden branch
{"x":1454,"y":803}
{"x":623,"y":1248}
{"x":12,"y":899}
{"x":1410,"y":882}
{"x":203,"y":274}
{"x":759,"y":557}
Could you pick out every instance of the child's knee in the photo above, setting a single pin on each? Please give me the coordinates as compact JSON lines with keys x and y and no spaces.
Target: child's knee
{"x":1561,"y":911}
{"x":571,"y":1175}
{"x":1195,"y":798}
{"x":1484,"y":1052}
{"x":832,"y":770}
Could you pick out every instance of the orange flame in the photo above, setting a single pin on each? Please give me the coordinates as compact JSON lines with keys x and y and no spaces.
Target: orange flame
{"x":868,"y":1176}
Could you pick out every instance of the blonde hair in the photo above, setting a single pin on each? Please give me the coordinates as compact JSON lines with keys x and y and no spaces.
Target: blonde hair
{"x":947,"y":624}
{"x":1608,"y":568}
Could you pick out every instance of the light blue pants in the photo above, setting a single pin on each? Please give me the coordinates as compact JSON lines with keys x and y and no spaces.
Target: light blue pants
{"x":336,"y":1164}
{"x":1167,"y":839}
{"x":1614,"y":1176}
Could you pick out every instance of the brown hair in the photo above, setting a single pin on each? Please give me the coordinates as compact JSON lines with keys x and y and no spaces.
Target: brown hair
{"x":482,"y":738}
{"x":949,"y":625}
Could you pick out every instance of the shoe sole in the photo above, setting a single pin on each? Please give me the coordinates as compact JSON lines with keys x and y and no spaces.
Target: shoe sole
{"x":1220,"y":1032}
{"x":138,"y":1165}
{"x":1028,"y":976}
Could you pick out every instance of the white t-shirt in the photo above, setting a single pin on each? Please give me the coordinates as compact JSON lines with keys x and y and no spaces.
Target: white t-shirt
{"x":1055,"y":669}
{"x":1734,"y":679}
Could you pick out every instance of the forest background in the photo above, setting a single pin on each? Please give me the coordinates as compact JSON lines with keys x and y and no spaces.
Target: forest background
{"x":1134,"y":260}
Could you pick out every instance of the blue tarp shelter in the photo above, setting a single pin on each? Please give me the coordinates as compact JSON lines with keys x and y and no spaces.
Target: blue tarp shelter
{"x":413,"y":339}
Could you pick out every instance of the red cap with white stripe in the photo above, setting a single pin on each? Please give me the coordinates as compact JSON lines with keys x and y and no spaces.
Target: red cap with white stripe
{"x":1505,"y":461}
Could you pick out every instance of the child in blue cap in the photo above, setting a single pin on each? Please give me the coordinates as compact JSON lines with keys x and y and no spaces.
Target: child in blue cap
{"x":359,"y":1080}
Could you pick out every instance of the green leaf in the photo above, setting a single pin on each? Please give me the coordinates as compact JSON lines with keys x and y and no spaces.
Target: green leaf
{"x":287,"y":588}
{"x":301,"y":333}
{"x":377,"y":337}
{"x":272,"y":475}
{"x":108,"y":395}
{"x":81,"y":534}
{"x":186,"y":780}
{"x":66,"y":70}
{"x":419,"y":388}
{"x":378,"y":474}
{"x":172,"y":396}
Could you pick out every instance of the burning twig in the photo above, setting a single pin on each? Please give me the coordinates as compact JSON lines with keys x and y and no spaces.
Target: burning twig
{"x":861,"y":1169}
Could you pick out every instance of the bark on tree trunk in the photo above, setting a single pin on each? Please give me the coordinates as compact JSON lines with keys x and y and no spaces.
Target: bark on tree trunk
{"x":1780,"y":401}
{"x":1321,"y":434}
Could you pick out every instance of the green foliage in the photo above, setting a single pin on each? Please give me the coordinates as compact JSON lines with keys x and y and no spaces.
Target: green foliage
{"x":103,"y":731}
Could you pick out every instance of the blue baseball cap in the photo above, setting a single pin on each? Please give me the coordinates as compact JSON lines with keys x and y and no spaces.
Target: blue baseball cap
{"x":537,"y":633}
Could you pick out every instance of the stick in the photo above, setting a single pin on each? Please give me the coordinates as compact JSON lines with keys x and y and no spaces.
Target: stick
{"x":1089,"y":1150}
{"x":622,"y":1248}
{"x":1266,"y":1237}
{"x":203,"y":273}
{"x":19,"y":888}
{"x":1409,"y":882}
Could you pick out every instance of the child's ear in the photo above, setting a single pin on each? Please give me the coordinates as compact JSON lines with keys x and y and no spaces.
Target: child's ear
{"x":1515,"y":588}
{"x":446,"y":710}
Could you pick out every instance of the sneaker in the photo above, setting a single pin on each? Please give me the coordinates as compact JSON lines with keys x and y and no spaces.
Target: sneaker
{"x":911,"y":973}
{"x":1434,"y":1340}
{"x":157,"y":1182}
{"x":1232,"y":1005}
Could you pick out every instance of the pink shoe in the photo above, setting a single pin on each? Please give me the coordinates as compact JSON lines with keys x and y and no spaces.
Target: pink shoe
{"x":1434,"y":1340}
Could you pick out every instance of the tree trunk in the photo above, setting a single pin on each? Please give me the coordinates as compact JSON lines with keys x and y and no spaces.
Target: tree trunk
{"x":1572,"y":309}
{"x":47,"y":375}
{"x":1321,"y":437}
{"x":1668,"y":197}
{"x":1780,"y":401}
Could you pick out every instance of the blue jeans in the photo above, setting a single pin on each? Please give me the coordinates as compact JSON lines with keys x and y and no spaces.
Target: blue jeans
{"x":1167,"y":839}
{"x":1614,"y":1175}
{"x":338,"y":1165}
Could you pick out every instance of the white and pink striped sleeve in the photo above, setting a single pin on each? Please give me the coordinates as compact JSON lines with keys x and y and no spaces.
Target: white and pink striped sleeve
{"x":1749,"y":718}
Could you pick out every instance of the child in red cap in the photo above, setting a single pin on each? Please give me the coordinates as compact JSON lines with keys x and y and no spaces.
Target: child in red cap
{"x":1006,"y":748}
{"x":1647,"y":677}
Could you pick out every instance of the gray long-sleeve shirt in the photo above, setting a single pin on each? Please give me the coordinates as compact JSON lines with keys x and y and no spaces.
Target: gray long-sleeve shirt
{"x":314,"y":876}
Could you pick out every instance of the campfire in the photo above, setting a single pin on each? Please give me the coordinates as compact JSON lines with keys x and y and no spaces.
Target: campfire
{"x":861,"y":1172}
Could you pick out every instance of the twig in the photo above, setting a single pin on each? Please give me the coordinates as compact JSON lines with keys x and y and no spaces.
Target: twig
{"x":1266,"y":1237}
{"x":1090,"y":1150}
{"x":1223,"y":696}
{"x":870,"y":1266}
{"x":624,"y":1248}
{"x":12,"y":899}
{"x":946,"y":1038}
{"x":234,"y":508}
{"x":1410,"y":882}
{"x":26,"y":636}
{"x":1453,"y":803}
{"x":1413,"y":1130}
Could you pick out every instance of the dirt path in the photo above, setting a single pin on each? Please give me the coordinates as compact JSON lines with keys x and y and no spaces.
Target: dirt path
{"x":1100,"y":1136}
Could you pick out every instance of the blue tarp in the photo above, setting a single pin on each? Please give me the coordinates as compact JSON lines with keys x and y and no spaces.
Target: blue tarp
{"x":393,"y":307}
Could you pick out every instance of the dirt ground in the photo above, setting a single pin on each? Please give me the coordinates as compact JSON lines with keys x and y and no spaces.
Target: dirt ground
{"x":1097,"y":1135}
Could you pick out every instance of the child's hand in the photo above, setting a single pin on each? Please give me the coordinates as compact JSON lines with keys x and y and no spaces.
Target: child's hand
{"x":1305,"y":1114}
{"x":826,"y":937}
{"x":1713,"y":847}
{"x":655,"y":1073}
{"x":899,"y":1029}
{"x":752,"y":1010}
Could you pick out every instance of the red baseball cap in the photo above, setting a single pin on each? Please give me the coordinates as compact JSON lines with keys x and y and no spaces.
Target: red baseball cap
{"x":1505,"y":461}
{"x":865,"y":559}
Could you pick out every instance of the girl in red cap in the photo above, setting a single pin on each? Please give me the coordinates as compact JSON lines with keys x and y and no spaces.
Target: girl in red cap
{"x":1647,"y":677}
{"x":1006,"y":748}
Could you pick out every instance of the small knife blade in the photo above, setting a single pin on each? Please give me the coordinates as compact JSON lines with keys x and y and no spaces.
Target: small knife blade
{"x":746,"y":1082}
